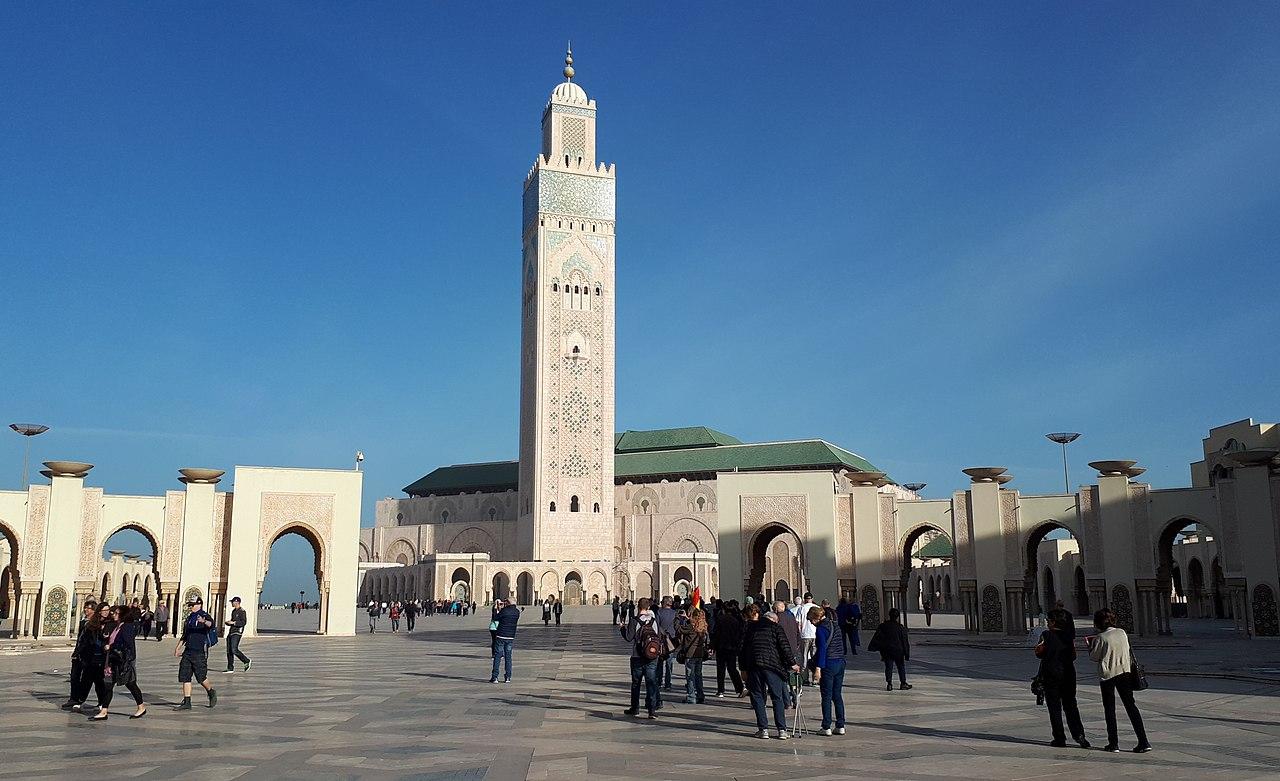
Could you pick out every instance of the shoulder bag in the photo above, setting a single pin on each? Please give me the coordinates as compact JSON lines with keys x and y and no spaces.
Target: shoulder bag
{"x":1137,"y":674}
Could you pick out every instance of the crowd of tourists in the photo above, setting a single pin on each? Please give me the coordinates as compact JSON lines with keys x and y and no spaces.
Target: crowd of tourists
{"x":106,"y":652}
{"x":408,"y":611}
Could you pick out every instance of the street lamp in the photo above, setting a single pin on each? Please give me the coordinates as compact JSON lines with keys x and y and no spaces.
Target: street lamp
{"x":359,"y":458}
{"x":27,"y":430}
{"x":1064,"y":438}
{"x":914,"y":488}
{"x":301,"y":602}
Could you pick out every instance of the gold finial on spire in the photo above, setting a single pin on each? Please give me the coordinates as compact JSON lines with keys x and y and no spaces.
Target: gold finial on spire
{"x":568,"y":62}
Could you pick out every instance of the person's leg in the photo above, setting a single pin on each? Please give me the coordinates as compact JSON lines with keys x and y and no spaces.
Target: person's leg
{"x":778,"y":692}
{"x":1053,"y":699}
{"x":508,"y":648}
{"x":232,"y":641}
{"x":901,"y":664}
{"x":1067,"y":692}
{"x":837,"y":691}
{"x":888,"y":671}
{"x":689,"y":697}
{"x":653,"y":700}
{"x":700,"y":694}
{"x":133,"y":688}
{"x":734,"y":675}
{"x":1125,"y":688}
{"x":1109,"y":711}
{"x":497,"y":653}
{"x":104,"y":691}
{"x":827,"y":686}
{"x":667,"y":666}
{"x":636,"y":674}
{"x":757,"y":688}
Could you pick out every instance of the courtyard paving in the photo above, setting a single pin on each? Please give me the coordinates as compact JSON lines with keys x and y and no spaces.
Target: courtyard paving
{"x":419,"y":706}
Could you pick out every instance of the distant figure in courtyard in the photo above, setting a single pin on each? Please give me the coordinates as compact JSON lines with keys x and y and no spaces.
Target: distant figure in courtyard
{"x":147,"y":618}
{"x":891,"y":641}
{"x":928,"y":612}
{"x":1110,"y":649}
{"x":198,"y":633}
{"x":1058,"y":674}
{"x":505,"y":619}
{"x":235,"y":633}
{"x":546,"y":612}
{"x":642,"y":633}
{"x":849,"y":616}
{"x":162,"y":620}
{"x":373,"y":617}
{"x":122,"y":655}
{"x":557,"y":608}
{"x":473,"y":607}
{"x":410,"y":614}
{"x":694,"y":648}
{"x":617,"y":607}
{"x":767,"y":659}
{"x":395,"y":616}
{"x":726,"y":641}
{"x":828,"y":670}
{"x":808,"y":632}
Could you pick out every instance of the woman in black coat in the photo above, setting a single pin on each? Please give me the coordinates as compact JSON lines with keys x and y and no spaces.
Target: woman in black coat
{"x":1058,"y":674}
{"x":891,"y":641}
{"x":122,"y":659}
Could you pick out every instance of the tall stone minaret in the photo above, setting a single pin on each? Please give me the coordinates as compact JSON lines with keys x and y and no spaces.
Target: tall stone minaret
{"x":566,"y":341}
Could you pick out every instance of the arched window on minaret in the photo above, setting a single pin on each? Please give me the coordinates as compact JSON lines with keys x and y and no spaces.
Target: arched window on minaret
{"x":573,"y":504}
{"x":595,"y":508}
{"x":553,"y":507}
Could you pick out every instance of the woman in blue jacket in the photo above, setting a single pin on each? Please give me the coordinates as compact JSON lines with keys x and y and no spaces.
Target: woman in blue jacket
{"x":828,"y":669}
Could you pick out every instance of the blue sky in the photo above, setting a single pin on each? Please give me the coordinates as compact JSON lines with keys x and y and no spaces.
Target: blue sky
{"x":276,"y":233}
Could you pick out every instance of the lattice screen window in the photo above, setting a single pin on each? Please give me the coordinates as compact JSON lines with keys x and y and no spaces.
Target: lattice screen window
{"x":573,"y":137}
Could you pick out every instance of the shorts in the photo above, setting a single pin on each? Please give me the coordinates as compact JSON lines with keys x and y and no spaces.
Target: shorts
{"x":193,"y":663}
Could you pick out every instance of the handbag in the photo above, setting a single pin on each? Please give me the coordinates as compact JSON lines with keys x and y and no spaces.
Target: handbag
{"x":1137,"y":675}
{"x":493,"y":626}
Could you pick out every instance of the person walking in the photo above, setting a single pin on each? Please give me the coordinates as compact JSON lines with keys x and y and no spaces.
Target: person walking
{"x":891,"y":641}
{"x":546,"y":612}
{"x":504,"y":622}
{"x":121,"y":668}
{"x":146,"y":618}
{"x":373,"y":617}
{"x":767,"y":658}
{"x":1110,"y":649}
{"x":193,"y":653}
{"x":395,"y":616}
{"x":617,"y":606}
{"x":666,"y":617}
{"x":828,"y":670}
{"x":1058,"y":675}
{"x":77,"y":667}
{"x":89,"y":656}
{"x":849,"y":615}
{"x":642,"y":633}
{"x":808,"y":633}
{"x":162,"y":620}
{"x":410,"y":614}
{"x":235,"y":633}
{"x":726,"y":642}
{"x":557,"y":609}
{"x":928,"y":612}
{"x":787,"y":623}
{"x":694,"y":643}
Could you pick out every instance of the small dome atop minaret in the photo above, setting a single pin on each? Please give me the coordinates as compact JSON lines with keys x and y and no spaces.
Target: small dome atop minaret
{"x":567,"y":91}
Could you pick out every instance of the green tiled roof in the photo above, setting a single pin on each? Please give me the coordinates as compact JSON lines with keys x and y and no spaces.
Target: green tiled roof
{"x":708,"y":456}
{"x":671,"y":439}
{"x":938,"y":548}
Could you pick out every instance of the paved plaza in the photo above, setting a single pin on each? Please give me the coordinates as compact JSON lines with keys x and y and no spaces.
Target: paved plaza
{"x":419,"y":706}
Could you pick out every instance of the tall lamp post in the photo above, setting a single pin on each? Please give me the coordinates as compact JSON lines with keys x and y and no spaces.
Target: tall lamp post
{"x":302,"y":603}
{"x":27,"y":430}
{"x":1064,"y":438}
{"x":914,"y":488}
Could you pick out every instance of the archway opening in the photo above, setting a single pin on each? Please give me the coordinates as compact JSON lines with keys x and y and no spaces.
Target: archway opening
{"x":682,"y":585}
{"x":9,"y":581}
{"x":524,"y":588}
{"x":1053,"y":558}
{"x":290,"y":597}
{"x":460,"y":590}
{"x":501,"y":586}
{"x":927,"y":556}
{"x":776,"y":554}
{"x":573,"y":589}
{"x":127,"y":573}
{"x":1181,"y":548}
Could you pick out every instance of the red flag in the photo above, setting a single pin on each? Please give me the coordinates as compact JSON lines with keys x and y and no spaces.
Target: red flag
{"x":697,"y":597}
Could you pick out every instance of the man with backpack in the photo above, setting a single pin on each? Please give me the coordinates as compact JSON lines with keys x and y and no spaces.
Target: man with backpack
{"x":198,"y":633}
{"x":646,"y":649}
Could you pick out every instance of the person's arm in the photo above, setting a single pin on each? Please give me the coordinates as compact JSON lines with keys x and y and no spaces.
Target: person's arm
{"x":785,"y":653}
{"x":824,"y":638}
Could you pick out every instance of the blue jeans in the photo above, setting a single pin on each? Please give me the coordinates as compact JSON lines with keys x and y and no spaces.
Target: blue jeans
{"x":647,"y":670}
{"x":667,"y":665}
{"x":501,"y":650}
{"x":693,"y":681}
{"x":770,"y":683}
{"x":832,"y":684}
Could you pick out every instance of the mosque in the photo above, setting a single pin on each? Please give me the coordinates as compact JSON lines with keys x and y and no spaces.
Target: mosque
{"x":586,"y":514}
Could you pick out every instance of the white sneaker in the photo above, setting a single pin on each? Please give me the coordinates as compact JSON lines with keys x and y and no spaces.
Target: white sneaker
{"x":762,"y":734}
{"x":825,"y":732}
{"x":784,"y":735}
{"x":839,"y":730}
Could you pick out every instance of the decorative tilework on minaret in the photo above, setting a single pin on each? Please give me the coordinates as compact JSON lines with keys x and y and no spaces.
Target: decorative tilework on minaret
{"x":567,"y":341}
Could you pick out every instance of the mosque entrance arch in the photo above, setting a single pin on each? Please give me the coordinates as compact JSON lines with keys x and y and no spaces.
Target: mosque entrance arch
{"x":501,"y":585}
{"x":294,"y":542}
{"x":682,"y":582}
{"x":1182,"y":543}
{"x":1047,"y":571}
{"x":129,"y":564}
{"x":9,"y":581}
{"x":762,"y":561}
{"x":923,"y":543}
{"x":460,"y":591}
{"x":524,"y":588}
{"x":573,"y":589}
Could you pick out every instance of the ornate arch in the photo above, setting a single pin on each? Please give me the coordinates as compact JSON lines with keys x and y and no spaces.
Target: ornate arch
{"x":401,"y":546}
{"x":307,"y":532}
{"x":364,"y":553}
{"x":914,"y":533}
{"x":309,"y":514}
{"x":642,"y":493}
{"x":681,"y":529}
{"x":549,"y":584}
{"x":992,"y":610}
{"x":473,"y":539}
{"x":704,"y":492}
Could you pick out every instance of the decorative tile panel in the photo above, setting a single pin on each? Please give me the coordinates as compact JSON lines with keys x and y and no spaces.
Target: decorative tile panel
{"x":573,"y":195}
{"x":54,"y":622}
{"x":576,"y":111}
{"x":175,"y":503}
{"x":1013,"y":554}
{"x":90,"y":520}
{"x":33,"y":540}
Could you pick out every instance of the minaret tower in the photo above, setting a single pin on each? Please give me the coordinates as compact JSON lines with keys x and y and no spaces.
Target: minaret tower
{"x":566,"y":342}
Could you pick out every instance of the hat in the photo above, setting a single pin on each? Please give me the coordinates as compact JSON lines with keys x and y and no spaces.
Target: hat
{"x":235,"y":599}
{"x":195,"y":601}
